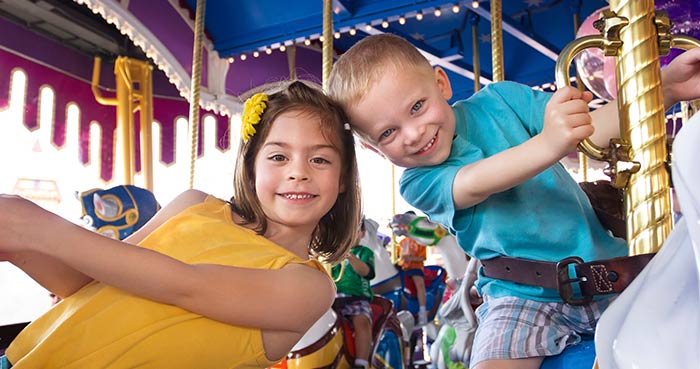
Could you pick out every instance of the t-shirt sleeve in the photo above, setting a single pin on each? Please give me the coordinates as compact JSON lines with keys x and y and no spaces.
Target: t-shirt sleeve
{"x":430,"y":191}
{"x":528,"y":104}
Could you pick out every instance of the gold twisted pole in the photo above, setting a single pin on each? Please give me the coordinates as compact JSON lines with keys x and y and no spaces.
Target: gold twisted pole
{"x":327,"y":41}
{"x":195,"y":85}
{"x":642,"y":126}
{"x":497,"y":41}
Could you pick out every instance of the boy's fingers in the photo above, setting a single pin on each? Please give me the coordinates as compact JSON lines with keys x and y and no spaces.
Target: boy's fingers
{"x":565,"y":94}
{"x":580,"y":119}
{"x":583,"y":131}
{"x":587,"y":96}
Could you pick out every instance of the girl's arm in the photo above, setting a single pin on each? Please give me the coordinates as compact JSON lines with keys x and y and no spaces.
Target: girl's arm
{"x":50,"y":273}
{"x":287,"y":299}
{"x":64,"y":280}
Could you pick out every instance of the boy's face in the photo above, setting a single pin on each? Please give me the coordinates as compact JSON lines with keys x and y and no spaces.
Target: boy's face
{"x":405,"y":116}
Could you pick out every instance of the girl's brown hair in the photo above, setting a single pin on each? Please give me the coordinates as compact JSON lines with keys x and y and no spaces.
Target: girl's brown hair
{"x":337,"y":230}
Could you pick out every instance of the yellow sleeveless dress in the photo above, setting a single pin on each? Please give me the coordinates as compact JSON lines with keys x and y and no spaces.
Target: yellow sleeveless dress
{"x":103,"y":327}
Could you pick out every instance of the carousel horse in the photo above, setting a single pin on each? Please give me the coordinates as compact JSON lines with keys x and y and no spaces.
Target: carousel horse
{"x":118,"y":211}
{"x":391,"y":282}
{"x":655,"y":323}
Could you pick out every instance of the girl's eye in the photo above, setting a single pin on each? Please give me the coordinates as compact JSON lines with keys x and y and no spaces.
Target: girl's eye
{"x":416,"y":107}
{"x":387,"y":133}
{"x":319,"y":161}
{"x":277,"y":157}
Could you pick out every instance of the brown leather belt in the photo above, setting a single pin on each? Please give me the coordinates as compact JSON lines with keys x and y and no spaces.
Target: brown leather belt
{"x":597,"y":277}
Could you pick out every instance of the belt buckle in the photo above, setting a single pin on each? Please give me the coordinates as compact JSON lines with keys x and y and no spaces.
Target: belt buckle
{"x":564,"y":282}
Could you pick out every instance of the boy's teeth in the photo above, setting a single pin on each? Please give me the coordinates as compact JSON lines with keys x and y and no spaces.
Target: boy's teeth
{"x":427,"y":146}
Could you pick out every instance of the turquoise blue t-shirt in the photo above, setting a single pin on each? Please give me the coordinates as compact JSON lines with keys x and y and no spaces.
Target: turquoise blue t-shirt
{"x":547,"y":217}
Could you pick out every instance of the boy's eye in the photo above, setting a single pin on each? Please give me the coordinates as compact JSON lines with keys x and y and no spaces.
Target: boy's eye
{"x":416,"y":107}
{"x":387,"y":133}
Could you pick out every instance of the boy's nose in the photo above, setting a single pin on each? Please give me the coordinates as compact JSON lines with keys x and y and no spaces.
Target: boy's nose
{"x":413,"y":133}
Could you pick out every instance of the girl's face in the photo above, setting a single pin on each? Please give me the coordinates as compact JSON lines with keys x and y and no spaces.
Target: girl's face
{"x":297,"y":172}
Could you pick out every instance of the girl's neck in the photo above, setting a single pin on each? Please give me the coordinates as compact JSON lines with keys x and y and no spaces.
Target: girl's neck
{"x":295,"y":240}
{"x":291,"y":239}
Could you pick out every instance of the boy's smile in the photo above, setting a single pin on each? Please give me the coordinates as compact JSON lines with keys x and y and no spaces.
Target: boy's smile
{"x":405,"y":116}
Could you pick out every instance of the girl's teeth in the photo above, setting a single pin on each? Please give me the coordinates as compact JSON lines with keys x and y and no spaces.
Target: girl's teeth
{"x":296,"y":197}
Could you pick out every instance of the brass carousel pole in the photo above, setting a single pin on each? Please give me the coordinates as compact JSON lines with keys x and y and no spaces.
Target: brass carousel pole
{"x":497,"y":41}
{"x":394,"y":252}
{"x":146,"y":120}
{"x":128,"y":74}
{"x":582,"y":158}
{"x":327,"y":41}
{"x":292,"y":61}
{"x":194,"y":86}
{"x":642,"y":127}
{"x":474,"y":21}
{"x":125,"y":121}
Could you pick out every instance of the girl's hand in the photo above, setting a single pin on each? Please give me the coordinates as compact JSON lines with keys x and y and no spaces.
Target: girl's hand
{"x":21,"y":223}
{"x":681,"y":78}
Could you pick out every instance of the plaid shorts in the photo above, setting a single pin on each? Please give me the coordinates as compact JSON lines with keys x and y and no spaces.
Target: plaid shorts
{"x":357,"y":307}
{"x":512,"y":327}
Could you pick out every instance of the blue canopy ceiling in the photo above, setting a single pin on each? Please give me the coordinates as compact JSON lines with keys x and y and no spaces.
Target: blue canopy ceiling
{"x":534,"y":31}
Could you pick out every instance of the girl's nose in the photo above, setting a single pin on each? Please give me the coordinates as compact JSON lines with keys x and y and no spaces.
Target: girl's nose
{"x":298,"y":172}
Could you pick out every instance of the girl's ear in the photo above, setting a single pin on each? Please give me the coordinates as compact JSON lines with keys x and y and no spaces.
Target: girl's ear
{"x":443,"y":83}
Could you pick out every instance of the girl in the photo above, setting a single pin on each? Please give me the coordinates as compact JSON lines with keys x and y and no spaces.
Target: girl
{"x":211,"y":284}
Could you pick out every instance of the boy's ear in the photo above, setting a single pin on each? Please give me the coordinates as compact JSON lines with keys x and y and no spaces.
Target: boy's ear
{"x":443,"y":83}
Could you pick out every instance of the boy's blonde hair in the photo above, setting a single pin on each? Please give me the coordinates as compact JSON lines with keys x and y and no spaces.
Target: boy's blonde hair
{"x":355,"y":71}
{"x":337,"y":230}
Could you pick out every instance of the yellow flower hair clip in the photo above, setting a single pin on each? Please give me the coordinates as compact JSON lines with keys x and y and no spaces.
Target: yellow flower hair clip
{"x":252,"y":111}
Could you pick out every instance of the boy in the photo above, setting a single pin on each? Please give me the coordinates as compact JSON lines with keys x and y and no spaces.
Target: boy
{"x":413,"y":255}
{"x":412,"y":259}
{"x":488,"y":168}
{"x":354,"y":294}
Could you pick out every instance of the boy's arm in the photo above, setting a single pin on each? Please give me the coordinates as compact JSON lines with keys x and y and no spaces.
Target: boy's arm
{"x":680,"y":82}
{"x":566,"y":123}
{"x":358,"y":265}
